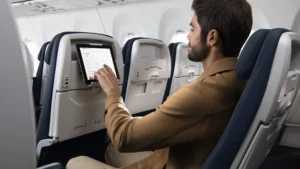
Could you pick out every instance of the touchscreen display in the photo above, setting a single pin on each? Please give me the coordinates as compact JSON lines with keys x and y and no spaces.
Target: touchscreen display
{"x":94,"y":59}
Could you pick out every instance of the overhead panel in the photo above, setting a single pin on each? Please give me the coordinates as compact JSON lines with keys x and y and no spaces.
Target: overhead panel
{"x":38,"y":7}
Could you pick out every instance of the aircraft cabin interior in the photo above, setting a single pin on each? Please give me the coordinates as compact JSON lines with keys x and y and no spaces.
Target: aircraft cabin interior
{"x":52,"y":107}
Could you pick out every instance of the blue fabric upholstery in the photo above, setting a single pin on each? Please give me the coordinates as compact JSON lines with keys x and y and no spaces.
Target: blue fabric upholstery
{"x":42,"y":52}
{"x":48,"y":53}
{"x":37,"y":83}
{"x":249,"y":54}
{"x":173,"y":51}
{"x":248,"y":105}
{"x":51,"y":58}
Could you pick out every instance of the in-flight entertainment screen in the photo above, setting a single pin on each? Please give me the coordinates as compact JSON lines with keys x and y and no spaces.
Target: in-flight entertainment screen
{"x":92,"y":58}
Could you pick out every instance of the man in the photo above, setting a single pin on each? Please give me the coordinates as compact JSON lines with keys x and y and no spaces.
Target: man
{"x":185,"y":129}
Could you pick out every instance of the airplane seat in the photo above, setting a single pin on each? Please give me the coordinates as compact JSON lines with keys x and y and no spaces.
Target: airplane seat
{"x":17,"y":110}
{"x":45,"y":69}
{"x":16,"y":121}
{"x":263,"y":106}
{"x":170,"y":80}
{"x":291,"y":134}
{"x":38,"y":81}
{"x":28,"y":61}
{"x":147,"y":67}
{"x":183,"y":70}
{"x":71,"y":108}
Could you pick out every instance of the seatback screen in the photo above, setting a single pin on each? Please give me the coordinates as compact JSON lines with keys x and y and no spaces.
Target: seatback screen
{"x":92,"y":58}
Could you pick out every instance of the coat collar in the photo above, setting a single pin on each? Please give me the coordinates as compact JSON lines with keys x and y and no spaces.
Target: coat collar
{"x":219,"y":66}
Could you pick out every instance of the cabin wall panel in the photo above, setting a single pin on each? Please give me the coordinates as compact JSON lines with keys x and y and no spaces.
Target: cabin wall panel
{"x":29,"y":38}
{"x":296,"y":23}
{"x":143,"y":19}
{"x":279,"y":13}
{"x":47,"y":26}
{"x":26,"y":31}
{"x":156,"y":19}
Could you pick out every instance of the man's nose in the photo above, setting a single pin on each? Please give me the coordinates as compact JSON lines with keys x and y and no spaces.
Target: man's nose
{"x":188,"y":37}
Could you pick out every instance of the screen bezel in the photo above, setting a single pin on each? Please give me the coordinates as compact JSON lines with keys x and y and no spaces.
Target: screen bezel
{"x":81,"y":63}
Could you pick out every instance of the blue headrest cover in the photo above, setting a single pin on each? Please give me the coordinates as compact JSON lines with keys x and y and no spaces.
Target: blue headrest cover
{"x":250,"y":54}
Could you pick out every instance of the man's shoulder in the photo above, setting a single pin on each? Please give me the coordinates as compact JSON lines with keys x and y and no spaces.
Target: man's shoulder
{"x":213,"y":84}
{"x":225,"y":78}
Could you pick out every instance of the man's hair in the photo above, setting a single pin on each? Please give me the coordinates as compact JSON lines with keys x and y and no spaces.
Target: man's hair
{"x":231,"y":18}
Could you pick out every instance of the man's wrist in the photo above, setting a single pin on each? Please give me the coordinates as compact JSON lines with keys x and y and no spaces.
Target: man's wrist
{"x":114,"y":94}
{"x":112,"y":98}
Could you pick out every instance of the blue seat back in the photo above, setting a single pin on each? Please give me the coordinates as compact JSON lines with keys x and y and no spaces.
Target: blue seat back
{"x":37,"y":83}
{"x":172,"y":49}
{"x":255,"y":64}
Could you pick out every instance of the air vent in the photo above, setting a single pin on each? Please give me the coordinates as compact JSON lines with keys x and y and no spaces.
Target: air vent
{"x":36,"y":7}
{"x":92,"y":3}
{"x":40,"y":7}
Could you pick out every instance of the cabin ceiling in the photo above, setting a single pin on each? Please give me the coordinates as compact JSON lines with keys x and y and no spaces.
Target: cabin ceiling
{"x":38,"y":7}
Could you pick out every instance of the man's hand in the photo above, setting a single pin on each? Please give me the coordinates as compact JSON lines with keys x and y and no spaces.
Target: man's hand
{"x":108,"y":81}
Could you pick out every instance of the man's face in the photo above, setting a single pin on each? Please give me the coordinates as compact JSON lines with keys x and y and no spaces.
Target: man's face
{"x":197,"y":50}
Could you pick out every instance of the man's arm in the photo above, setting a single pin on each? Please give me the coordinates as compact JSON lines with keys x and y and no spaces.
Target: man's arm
{"x":169,"y":125}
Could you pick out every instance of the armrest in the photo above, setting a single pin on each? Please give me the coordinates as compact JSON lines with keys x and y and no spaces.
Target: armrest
{"x":52,"y":166}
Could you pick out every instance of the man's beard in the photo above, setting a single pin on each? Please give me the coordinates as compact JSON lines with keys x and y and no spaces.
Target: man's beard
{"x":198,"y":53}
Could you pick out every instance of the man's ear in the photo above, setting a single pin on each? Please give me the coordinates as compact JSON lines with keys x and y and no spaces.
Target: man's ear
{"x":212,"y":37}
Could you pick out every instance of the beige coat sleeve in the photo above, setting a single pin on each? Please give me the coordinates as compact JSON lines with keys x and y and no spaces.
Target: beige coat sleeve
{"x":167,"y":126}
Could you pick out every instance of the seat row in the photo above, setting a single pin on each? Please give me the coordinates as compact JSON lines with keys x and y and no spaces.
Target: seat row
{"x":149,"y":71}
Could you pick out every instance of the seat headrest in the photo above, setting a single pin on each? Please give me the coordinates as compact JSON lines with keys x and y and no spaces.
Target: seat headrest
{"x":55,"y":40}
{"x":128,"y":46}
{"x":48,"y":53}
{"x":261,"y":60}
{"x":250,"y":54}
{"x":171,"y":46}
{"x":127,"y":52}
{"x":43,"y":51}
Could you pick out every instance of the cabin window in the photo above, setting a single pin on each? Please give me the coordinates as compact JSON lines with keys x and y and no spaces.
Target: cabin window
{"x":128,"y":37}
{"x":179,"y":36}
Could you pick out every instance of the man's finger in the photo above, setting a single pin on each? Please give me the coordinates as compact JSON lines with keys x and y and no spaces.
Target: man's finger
{"x":104,"y":73}
{"x":102,"y":80}
{"x":108,"y":74}
{"x":97,"y":75}
{"x":103,"y":70}
{"x":101,"y":77}
{"x":109,"y":70}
